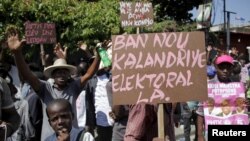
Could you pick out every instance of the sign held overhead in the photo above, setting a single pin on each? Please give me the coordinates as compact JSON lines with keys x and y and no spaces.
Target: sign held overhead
{"x":136,"y":14}
{"x":40,"y":33}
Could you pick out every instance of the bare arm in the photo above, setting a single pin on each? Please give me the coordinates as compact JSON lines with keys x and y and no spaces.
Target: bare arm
{"x":15,"y":46}
{"x":91,"y":70}
{"x":94,"y":66}
{"x":209,"y":48}
{"x":200,"y":127}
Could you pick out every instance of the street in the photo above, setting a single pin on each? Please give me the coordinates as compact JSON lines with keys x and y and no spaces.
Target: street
{"x":179,"y":133}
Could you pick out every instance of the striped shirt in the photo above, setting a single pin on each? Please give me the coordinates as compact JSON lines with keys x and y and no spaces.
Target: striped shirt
{"x":142,"y":123}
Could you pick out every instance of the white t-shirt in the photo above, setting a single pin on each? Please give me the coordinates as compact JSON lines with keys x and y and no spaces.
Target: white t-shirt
{"x":103,"y":102}
{"x":16,"y":80}
{"x":81,"y":109}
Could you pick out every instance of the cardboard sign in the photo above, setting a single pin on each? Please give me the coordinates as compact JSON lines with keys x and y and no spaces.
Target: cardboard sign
{"x":225,"y":105}
{"x":159,"y":67}
{"x":136,"y":14}
{"x":40,"y":33}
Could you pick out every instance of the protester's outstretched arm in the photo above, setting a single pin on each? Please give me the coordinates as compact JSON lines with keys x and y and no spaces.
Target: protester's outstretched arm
{"x":200,"y":127}
{"x":15,"y":45}
{"x":91,"y":70}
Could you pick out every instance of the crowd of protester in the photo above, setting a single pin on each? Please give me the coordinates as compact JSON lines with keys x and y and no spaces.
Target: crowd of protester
{"x":64,"y":102}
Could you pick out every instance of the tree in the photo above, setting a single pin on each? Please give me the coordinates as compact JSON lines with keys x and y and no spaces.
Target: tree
{"x":90,"y":21}
{"x":177,"y":10}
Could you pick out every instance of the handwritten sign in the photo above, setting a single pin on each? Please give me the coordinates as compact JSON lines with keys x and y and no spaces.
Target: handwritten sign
{"x":225,"y":105}
{"x":40,"y":33}
{"x":136,"y":14}
{"x":159,"y":68}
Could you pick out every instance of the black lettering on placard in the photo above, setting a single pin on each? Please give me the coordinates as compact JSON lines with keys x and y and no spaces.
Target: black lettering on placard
{"x":136,"y":14}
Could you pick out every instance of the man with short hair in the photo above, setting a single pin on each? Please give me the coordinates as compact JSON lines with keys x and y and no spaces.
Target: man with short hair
{"x":60,"y":116}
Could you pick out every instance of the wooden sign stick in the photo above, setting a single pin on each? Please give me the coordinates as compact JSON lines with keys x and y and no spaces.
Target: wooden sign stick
{"x":160,"y":117}
{"x":42,"y":51}
{"x":161,"y":127}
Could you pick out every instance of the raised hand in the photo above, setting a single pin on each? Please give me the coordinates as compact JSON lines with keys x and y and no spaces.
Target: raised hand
{"x":112,"y":115}
{"x":59,"y":52}
{"x":83,"y":46}
{"x":13,"y":41}
{"x":235,"y":51}
{"x":209,"y":48}
{"x":107,"y":43}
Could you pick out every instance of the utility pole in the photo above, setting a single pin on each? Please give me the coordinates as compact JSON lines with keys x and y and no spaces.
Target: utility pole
{"x":228,"y":29}
{"x":224,"y":11}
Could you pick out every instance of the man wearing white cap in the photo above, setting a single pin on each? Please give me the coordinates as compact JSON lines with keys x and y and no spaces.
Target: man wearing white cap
{"x":63,"y":87}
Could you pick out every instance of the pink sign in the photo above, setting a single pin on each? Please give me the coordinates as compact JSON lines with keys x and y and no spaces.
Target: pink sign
{"x":225,"y":104}
{"x":40,"y":33}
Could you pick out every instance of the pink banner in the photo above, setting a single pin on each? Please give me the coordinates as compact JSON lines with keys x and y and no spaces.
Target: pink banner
{"x":225,"y":104}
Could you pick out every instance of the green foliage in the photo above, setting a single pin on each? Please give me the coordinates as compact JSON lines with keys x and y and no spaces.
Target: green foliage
{"x":90,"y":21}
{"x":176,"y":10}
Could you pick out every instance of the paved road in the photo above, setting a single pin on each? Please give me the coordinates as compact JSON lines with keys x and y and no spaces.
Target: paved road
{"x":179,"y":133}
